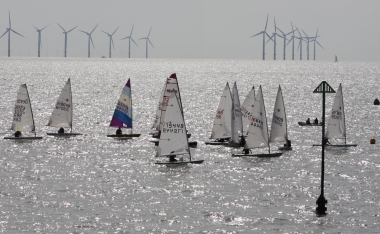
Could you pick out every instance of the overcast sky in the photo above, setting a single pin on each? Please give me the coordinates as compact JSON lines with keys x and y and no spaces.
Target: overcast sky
{"x":196,"y":29}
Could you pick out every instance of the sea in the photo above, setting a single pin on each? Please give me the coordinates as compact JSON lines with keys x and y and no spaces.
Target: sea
{"x":96,"y":184}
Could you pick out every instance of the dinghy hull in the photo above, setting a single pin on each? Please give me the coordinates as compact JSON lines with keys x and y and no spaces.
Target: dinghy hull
{"x":347,"y":145}
{"x":310,"y":125}
{"x":23,"y":138}
{"x":180,"y":162}
{"x":124,"y":135}
{"x":258,"y":155}
{"x":69,"y":134}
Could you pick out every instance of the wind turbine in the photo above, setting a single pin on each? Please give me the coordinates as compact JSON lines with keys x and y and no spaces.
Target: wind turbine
{"x":129,"y":45}
{"x":111,"y":40}
{"x":300,"y":44}
{"x":284,"y":36}
{"x":264,"y":33}
{"x":315,"y":41}
{"x":39,"y":39}
{"x":89,"y":39}
{"x":8,"y":30}
{"x":146,"y":41}
{"x":64,"y":32}
{"x":308,"y":41}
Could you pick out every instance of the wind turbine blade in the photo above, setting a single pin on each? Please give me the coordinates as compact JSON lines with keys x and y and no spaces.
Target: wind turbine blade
{"x":9,"y":19}
{"x":150,"y":43}
{"x":92,"y":41}
{"x":289,"y":32}
{"x":83,"y":31}
{"x":134,"y":42}
{"x":299,"y":32}
{"x":319,"y":44}
{"x":266,"y":24}
{"x":304,"y":33}
{"x":106,"y":33}
{"x":143,"y":38}
{"x":35,"y":27}
{"x":149,"y":32}
{"x":61,"y":27}
{"x":72,"y":29}
{"x":131,"y":31}
{"x":275,"y":23}
{"x":16,"y":32}
{"x":258,"y":34}
{"x":45,"y":27}
{"x":289,"y":41}
{"x":268,"y":35}
{"x":94,"y":28}
{"x":115,"y":31}
{"x":124,"y":38}
{"x":112,"y":43}
{"x":316,"y":35}
{"x":281,"y":31}
{"x":4,"y":33}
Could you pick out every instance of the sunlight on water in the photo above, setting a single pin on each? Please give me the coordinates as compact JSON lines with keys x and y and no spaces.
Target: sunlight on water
{"x":92,"y":183}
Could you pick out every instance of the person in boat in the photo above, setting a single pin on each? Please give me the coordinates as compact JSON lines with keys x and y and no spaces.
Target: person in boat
{"x":308,"y":121}
{"x":288,"y":143}
{"x":246,"y":151}
{"x":242,"y":141}
{"x":17,"y":134}
{"x":118,"y":131}
{"x":316,"y":121}
{"x":61,"y":130}
{"x":172,"y":158}
{"x":327,"y":141}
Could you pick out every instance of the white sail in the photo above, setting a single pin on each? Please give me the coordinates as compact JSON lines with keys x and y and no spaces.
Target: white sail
{"x":23,"y":116}
{"x":63,"y":111}
{"x":222,"y":120}
{"x":246,"y":109}
{"x":171,"y":86}
{"x":336,"y":127}
{"x":156,"y":123}
{"x":173,"y":140}
{"x":257,"y":135}
{"x":278,"y":128}
{"x":237,"y":123}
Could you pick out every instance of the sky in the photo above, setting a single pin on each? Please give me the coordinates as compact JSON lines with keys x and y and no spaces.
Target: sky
{"x":196,"y":29}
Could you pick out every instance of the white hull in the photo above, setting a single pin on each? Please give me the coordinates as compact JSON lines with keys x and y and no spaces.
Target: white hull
{"x":69,"y":134}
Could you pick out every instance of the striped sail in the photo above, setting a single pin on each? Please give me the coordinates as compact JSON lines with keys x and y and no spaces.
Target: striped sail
{"x":63,"y":112}
{"x":23,"y":116}
{"x":122,"y":117}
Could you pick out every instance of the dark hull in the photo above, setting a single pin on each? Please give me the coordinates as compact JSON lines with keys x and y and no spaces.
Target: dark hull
{"x":123,"y":135}
{"x":348,"y":145}
{"x":23,"y":138}
{"x":310,"y":125}
{"x":179,"y":162}
{"x":69,"y":134}
{"x":258,"y":155}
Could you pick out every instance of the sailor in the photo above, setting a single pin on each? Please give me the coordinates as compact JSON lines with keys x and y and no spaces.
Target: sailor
{"x":316,"y":121}
{"x":61,"y":130}
{"x":288,"y":143}
{"x":17,"y":134}
{"x":242,"y":141}
{"x":246,"y":151}
{"x":327,"y":141}
{"x":172,"y":158}
{"x":119,"y":132}
{"x":308,"y":121}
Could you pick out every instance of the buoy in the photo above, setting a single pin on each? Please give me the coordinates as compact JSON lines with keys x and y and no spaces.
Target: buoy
{"x":376,"y":102}
{"x":372,"y":141}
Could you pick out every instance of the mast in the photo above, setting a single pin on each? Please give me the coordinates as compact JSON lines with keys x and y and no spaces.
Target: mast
{"x":71,"y":105}
{"x":34,"y":126}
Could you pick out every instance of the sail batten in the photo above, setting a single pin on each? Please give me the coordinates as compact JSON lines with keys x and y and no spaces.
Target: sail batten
{"x":122,"y":117}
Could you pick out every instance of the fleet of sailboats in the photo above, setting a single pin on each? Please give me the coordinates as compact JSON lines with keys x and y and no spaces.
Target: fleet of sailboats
{"x":62,"y":116}
{"x":23,"y":120}
{"x":122,"y":117}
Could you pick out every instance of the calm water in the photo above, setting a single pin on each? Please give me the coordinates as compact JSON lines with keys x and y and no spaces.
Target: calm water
{"x":94,"y":184}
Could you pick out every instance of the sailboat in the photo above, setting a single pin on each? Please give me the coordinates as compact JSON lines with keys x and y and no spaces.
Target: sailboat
{"x":336,"y":125}
{"x":279,"y":128}
{"x":257,"y":136}
{"x":62,"y":116}
{"x":246,"y":109}
{"x":221,"y":130}
{"x":122,"y":117}
{"x":171,"y":85}
{"x":237,"y":121}
{"x":173,"y":140}
{"x":23,"y":120}
{"x":336,"y":59}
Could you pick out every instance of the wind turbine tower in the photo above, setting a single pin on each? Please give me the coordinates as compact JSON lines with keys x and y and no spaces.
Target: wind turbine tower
{"x":315,"y":41}
{"x":111,"y":40}
{"x":39,"y":39}
{"x":146,"y":42}
{"x":264,"y":33}
{"x":64,"y":32}
{"x":8,"y":30}
{"x":285,"y":44}
{"x":300,"y":44}
{"x":89,"y":39}
{"x":308,"y":42}
{"x":129,"y":45}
